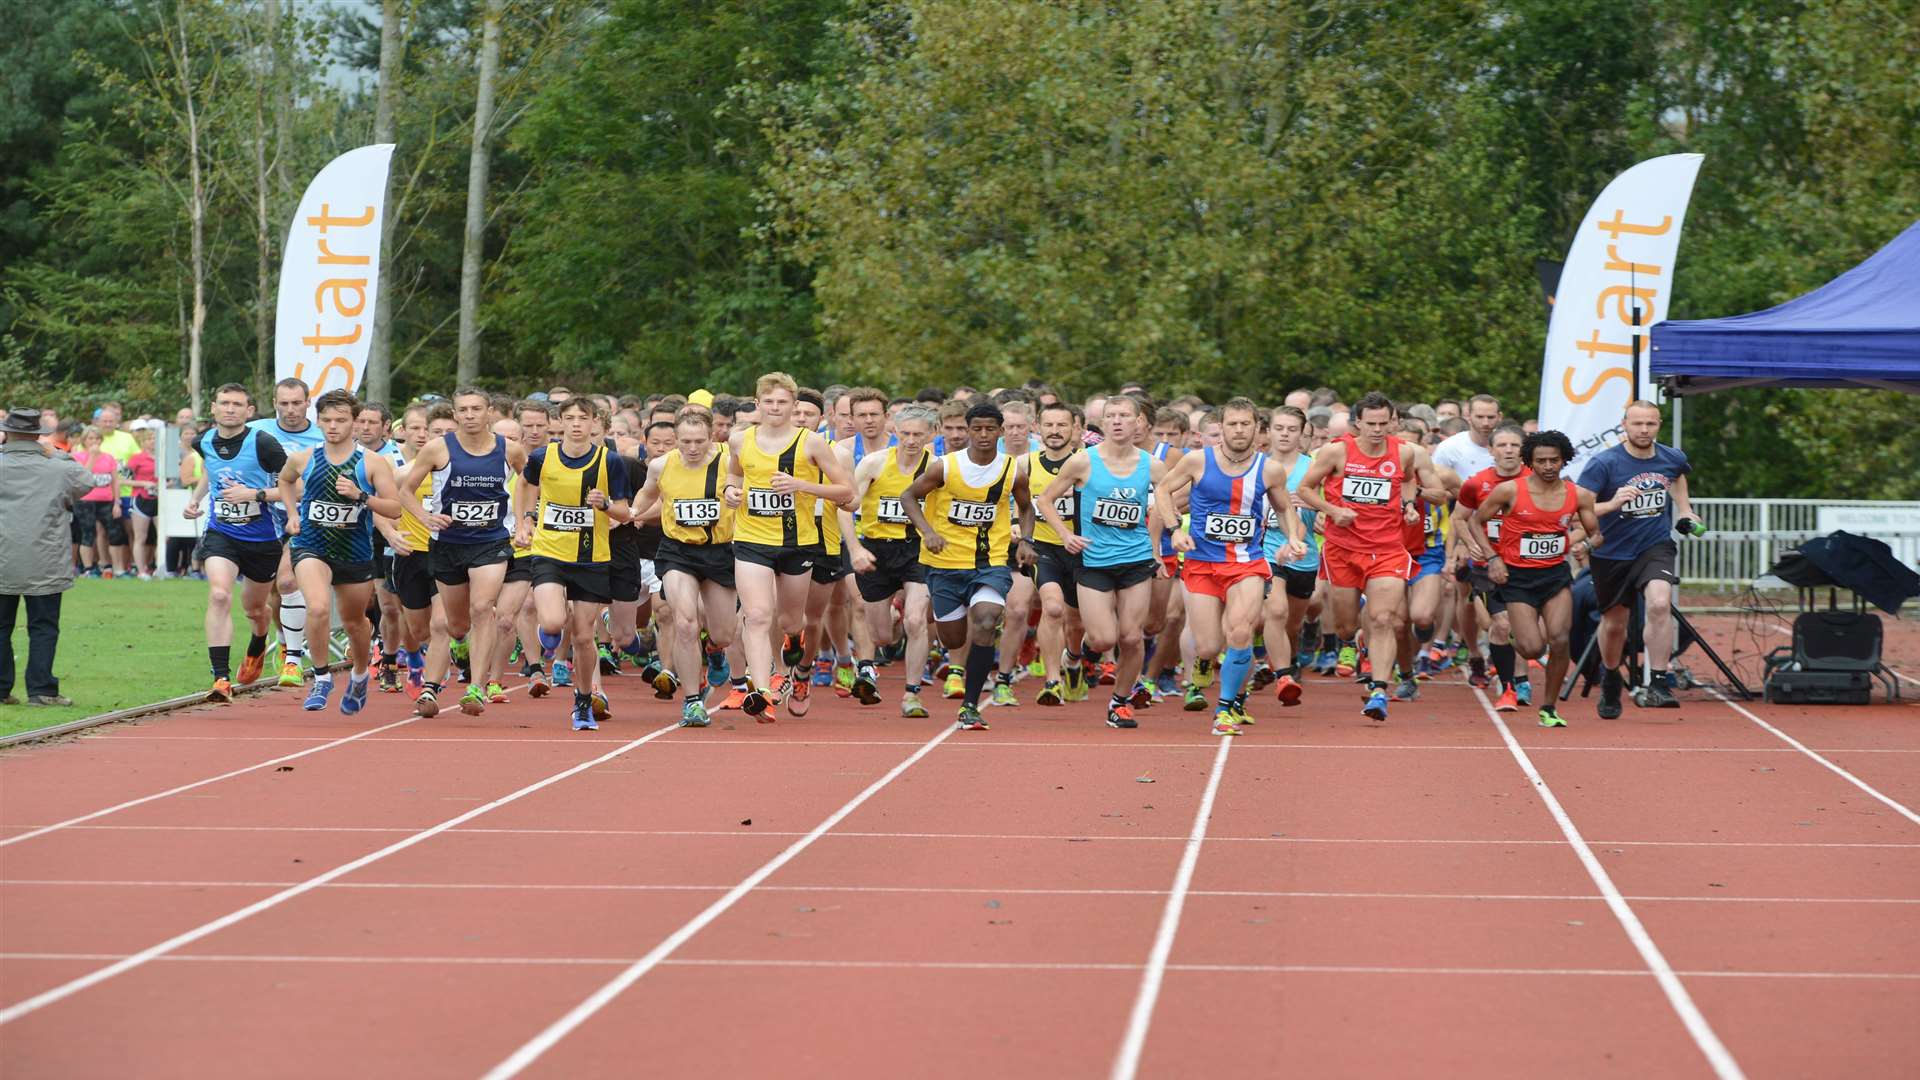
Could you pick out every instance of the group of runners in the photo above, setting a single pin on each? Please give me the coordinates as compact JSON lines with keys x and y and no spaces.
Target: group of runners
{"x":744,"y":552}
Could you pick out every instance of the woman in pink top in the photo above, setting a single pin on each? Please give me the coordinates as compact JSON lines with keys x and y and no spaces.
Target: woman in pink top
{"x":97,"y":514}
{"x":145,"y":474}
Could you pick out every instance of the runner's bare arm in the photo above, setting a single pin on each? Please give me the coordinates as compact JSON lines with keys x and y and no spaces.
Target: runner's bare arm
{"x":432,"y":456}
{"x":1282,"y":504}
{"x":1178,"y":480}
{"x":648,"y":504}
{"x":1327,"y":461}
{"x":863,"y":475}
{"x":195,"y":498}
{"x":1432,"y":487}
{"x":736,"y":472}
{"x":1497,"y":501}
{"x":1682,"y":498}
{"x":380,"y":475}
{"x":1589,"y":520}
{"x":935,"y":476}
{"x":1070,"y":476}
{"x":289,"y":488}
{"x":527,"y":497}
{"x":1023,"y":553}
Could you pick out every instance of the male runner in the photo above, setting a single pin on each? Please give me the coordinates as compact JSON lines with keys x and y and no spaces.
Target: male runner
{"x":829,"y":569}
{"x":1057,"y":570}
{"x":1017,"y":438}
{"x":1469,"y":564}
{"x":1359,"y":482}
{"x":294,"y":431}
{"x":371,"y":431}
{"x":966,"y":532}
{"x":1167,"y":610}
{"x":694,"y":559}
{"x":1645,"y":484}
{"x":776,"y":471}
{"x":1291,"y":594}
{"x":574,"y":490}
{"x":1115,"y":542}
{"x":1529,"y":563}
{"x":336,"y":486}
{"x":886,"y":557}
{"x":409,"y":575}
{"x":1465,"y":454}
{"x":241,"y":541}
{"x":1226,"y":490}
{"x":468,"y":520}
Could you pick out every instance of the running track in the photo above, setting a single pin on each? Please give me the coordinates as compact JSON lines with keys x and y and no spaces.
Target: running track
{"x":254,"y":890}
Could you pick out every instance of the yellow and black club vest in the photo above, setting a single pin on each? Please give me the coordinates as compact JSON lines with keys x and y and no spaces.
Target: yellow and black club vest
{"x":691,"y":511}
{"x":764,"y":516}
{"x":565,"y":527}
{"x":881,"y":515}
{"x":975,"y":521}
{"x":1068,"y":505}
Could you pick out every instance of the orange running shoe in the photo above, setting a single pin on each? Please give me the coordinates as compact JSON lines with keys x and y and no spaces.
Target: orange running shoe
{"x":250,"y":669}
{"x":781,"y":688}
{"x":1287,"y":690}
{"x":800,"y":696}
{"x":1508,"y":702}
{"x":735,"y":699}
{"x":221,"y":693}
{"x":1106,"y":673}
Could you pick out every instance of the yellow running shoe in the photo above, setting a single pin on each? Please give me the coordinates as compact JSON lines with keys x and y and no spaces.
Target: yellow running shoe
{"x":290,"y":674}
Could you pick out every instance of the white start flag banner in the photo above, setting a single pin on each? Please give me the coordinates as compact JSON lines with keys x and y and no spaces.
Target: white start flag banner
{"x":329,"y":273}
{"x":1623,"y":255}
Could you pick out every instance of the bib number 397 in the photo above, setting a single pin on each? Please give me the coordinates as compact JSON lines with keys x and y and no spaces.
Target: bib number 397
{"x":333,"y":515}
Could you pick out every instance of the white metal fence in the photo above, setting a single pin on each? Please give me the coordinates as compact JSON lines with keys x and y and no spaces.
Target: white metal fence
{"x":1746,"y":535}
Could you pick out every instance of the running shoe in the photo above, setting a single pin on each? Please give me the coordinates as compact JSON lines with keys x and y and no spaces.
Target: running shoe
{"x":458,"y":648}
{"x":583,"y":717}
{"x":417,"y":669}
{"x":1657,"y":696}
{"x":1365,"y":672}
{"x":1194,"y":700}
{"x":221,"y":693}
{"x":1037,"y":668}
{"x":250,"y":667}
{"x":1073,"y":686}
{"x":389,"y":678}
{"x":537,"y":684}
{"x":1610,"y":687}
{"x":290,"y":674}
{"x":866,"y":685}
{"x":1348,"y":663}
{"x":602,"y":708}
{"x":474,"y":701}
{"x":1049,"y":695}
{"x":1203,"y":673}
{"x":1142,"y":696}
{"x":1003,"y":694}
{"x":970,"y":719}
{"x":562,"y":673}
{"x":1550,"y":718}
{"x":1477,"y":676}
{"x":1327,"y":662}
{"x":798,"y":694}
{"x":1406,"y":691}
{"x":844,"y":677}
{"x":1106,"y":673}
{"x":793,"y":653}
{"x":496,"y":694}
{"x":694,"y":714}
{"x":1166,"y":684}
{"x":756,"y":704}
{"x":1507,"y":702}
{"x":1523,"y":692}
{"x":1288,"y":690}
{"x":1262,"y":677}
{"x":609,"y":664}
{"x":718,"y":670}
{"x":354,"y":698}
{"x":1376,"y":706}
{"x":650,"y":666}
{"x":822,"y":671}
{"x":1223,"y":724}
{"x":911,"y":708}
{"x":782,"y":687}
{"x":1439,"y":656}
{"x":1090,"y":670}
{"x":665,"y":685}
{"x":426,"y":703}
{"x":736,"y":699}
{"x":317,"y":697}
{"x":1121,"y":716}
{"x":956,"y":683}
{"x":1237,"y":709}
{"x":1422,"y":667}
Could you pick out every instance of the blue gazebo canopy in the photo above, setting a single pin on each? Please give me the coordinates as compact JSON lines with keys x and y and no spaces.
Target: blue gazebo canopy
{"x":1860,"y":330}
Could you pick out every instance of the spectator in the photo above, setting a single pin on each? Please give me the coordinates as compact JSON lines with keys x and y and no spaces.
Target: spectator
{"x":183,"y":418}
{"x":102,"y":530}
{"x":119,"y":442}
{"x":37,"y":492}
{"x":144,"y":470}
{"x":53,"y":439}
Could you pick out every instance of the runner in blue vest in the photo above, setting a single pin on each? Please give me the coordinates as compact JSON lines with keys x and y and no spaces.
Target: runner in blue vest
{"x":1291,"y":592}
{"x":294,"y":430}
{"x":237,"y":489}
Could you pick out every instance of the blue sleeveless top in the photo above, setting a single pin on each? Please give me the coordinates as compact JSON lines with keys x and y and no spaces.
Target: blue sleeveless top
{"x":1277,"y":533}
{"x":1113,"y":512}
{"x":1229,"y":513}
{"x":339,"y":530}
{"x":1166,"y":538}
{"x":251,"y":522}
{"x":472,"y":490}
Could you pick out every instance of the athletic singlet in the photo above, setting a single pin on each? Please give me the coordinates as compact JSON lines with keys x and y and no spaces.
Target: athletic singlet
{"x":766,"y":516}
{"x":309,"y":438}
{"x":1166,"y":538}
{"x":242,"y":521}
{"x":1475,"y":491}
{"x":971,"y":518}
{"x":1039,"y":478}
{"x":565,"y":527}
{"x":1370,"y":487}
{"x":691,"y":511}
{"x":331,"y":525}
{"x":827,"y":518}
{"x":472,"y":490}
{"x":860,"y":448}
{"x":1535,"y":536}
{"x":882,"y":517}
{"x":412,"y":528}
{"x":1277,"y":530}
{"x":1113,"y":512}
{"x":1229,"y":513}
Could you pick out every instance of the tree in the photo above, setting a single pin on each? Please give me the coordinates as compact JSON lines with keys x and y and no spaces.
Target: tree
{"x":380,"y":345}
{"x":473,"y":249}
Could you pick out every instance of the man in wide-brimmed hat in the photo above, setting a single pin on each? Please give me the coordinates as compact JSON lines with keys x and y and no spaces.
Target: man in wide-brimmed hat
{"x":36,"y":562}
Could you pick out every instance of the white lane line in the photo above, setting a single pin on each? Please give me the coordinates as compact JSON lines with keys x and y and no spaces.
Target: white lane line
{"x":1696,"y":1024}
{"x":939,"y":890}
{"x":1843,"y":774}
{"x":68,"y":989}
{"x":1127,"y":1063}
{"x":961,"y":965}
{"x":130,"y":803}
{"x":599,"y":999}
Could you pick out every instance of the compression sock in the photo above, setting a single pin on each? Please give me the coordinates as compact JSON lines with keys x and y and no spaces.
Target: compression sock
{"x":979,"y":664}
{"x":1329,"y":642}
{"x":1502,"y":656}
{"x":257,"y":645}
{"x":219,"y":657}
{"x":1233,"y":673}
{"x":293,"y":624}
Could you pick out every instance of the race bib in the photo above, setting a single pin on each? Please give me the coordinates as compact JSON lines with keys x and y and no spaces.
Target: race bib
{"x":474,"y":514}
{"x":334,"y":515}
{"x":1273,"y":519}
{"x":234,"y":512}
{"x":1229,"y":528}
{"x":1646,"y":504}
{"x":696,"y":513}
{"x":1118,"y":513}
{"x":891,"y":512}
{"x":1067,"y":506}
{"x":971,"y":514}
{"x":562,"y":518}
{"x":1366,"y":490}
{"x":1493,"y":529}
{"x":1543,"y":545}
{"x":102,"y":479}
{"x":765,"y":502}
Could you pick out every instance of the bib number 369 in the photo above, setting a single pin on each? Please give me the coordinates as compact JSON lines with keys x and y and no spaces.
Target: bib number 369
{"x":1229,"y":528}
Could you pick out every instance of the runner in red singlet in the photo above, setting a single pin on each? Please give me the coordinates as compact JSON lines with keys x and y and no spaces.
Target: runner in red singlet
{"x":1464,"y":556}
{"x":1529,"y":563}
{"x":1358,"y":482}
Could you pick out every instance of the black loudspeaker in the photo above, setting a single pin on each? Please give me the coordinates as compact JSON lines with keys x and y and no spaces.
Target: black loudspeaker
{"x":1832,"y":661}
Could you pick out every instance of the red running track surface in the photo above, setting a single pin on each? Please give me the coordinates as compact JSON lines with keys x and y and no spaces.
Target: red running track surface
{"x":854,"y":894}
